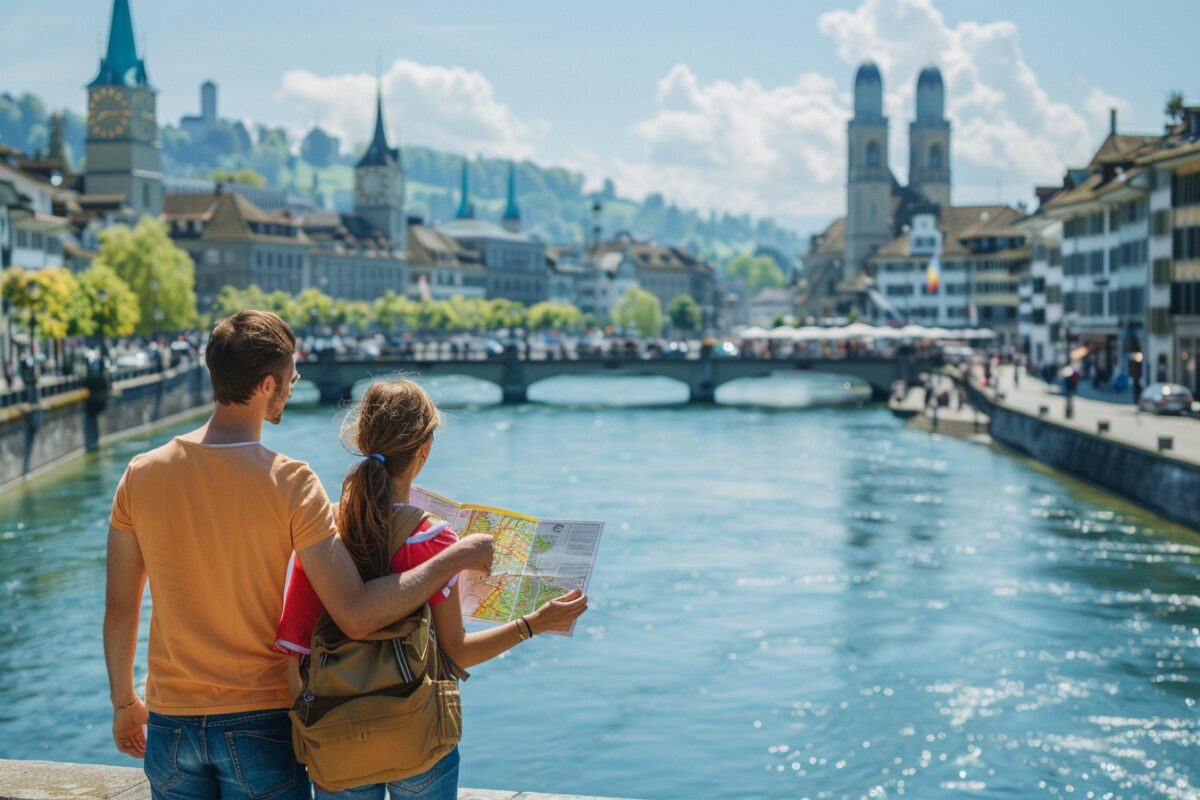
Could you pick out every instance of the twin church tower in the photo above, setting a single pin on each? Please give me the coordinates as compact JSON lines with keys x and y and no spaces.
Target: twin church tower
{"x":870,"y":185}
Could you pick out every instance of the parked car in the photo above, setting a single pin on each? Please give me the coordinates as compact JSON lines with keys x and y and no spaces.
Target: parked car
{"x":1166,"y":398}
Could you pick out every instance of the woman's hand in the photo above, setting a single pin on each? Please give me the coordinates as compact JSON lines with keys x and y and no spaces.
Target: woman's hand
{"x":559,"y":613}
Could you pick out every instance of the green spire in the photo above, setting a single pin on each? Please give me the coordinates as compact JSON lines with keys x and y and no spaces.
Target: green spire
{"x":121,"y":65}
{"x":465,"y":209}
{"x":511,"y":212}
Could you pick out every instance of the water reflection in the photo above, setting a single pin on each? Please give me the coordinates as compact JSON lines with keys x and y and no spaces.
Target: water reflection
{"x":786,"y":605}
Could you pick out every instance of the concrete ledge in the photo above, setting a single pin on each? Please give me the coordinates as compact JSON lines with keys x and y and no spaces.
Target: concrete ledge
{"x":54,"y":780}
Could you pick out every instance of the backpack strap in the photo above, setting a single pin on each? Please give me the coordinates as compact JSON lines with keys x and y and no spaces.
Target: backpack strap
{"x":404,"y":521}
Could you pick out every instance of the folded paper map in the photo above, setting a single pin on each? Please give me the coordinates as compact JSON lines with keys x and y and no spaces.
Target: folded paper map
{"x":535,"y":559}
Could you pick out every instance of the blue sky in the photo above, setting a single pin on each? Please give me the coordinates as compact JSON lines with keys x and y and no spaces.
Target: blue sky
{"x":736,"y":107}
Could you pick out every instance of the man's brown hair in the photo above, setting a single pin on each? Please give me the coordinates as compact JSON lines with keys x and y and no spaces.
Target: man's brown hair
{"x":244,"y":349}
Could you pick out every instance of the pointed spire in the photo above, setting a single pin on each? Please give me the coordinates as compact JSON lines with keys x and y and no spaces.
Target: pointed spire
{"x":511,"y":221}
{"x":465,"y":209}
{"x":121,"y":65}
{"x":510,"y":208}
{"x":378,"y":153}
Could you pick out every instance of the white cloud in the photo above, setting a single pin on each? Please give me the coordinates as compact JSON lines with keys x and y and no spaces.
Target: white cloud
{"x":741,"y":146}
{"x":446,"y":107}
{"x":781,"y":150}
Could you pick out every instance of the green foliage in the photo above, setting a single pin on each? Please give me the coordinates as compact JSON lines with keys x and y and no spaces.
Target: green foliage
{"x":757,"y":272}
{"x":852,"y":317}
{"x":244,"y":176}
{"x":353,"y":313}
{"x":392,"y":309}
{"x":550,"y":314}
{"x":160,"y":274}
{"x":106,"y":302}
{"x":1175,"y":106}
{"x":26,"y":124}
{"x":313,"y":305}
{"x":641,"y":310}
{"x":48,"y":293}
{"x":684,"y":313}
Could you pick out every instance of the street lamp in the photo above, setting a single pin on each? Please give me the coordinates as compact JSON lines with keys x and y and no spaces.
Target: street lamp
{"x":32,"y":291}
{"x":102,"y":299}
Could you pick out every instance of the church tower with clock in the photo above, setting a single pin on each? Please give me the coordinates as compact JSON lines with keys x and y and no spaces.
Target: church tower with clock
{"x":379,"y":183}
{"x":124,"y":154}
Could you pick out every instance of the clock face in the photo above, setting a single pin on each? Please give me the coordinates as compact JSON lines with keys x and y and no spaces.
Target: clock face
{"x":108,"y":113}
{"x":372,"y":187}
{"x":142,"y":121}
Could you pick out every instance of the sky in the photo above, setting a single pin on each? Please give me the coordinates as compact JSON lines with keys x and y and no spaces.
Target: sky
{"x":737,"y":107}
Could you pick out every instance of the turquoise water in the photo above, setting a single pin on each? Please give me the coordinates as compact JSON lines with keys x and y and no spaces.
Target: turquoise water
{"x":788,"y":603}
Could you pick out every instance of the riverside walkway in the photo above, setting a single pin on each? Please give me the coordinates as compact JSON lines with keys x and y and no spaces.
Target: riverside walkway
{"x":1126,"y":424}
{"x":47,"y":780}
{"x":1152,"y":460}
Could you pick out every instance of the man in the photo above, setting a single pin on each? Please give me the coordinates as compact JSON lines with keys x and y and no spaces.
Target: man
{"x":211,"y":519}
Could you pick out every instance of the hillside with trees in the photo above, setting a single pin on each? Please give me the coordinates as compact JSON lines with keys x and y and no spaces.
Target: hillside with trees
{"x":554,"y":204}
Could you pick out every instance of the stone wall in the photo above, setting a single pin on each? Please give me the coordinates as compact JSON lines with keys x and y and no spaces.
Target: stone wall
{"x":34,"y":438}
{"x":1165,"y":485}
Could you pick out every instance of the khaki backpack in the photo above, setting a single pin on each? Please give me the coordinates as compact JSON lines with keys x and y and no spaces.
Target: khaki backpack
{"x":378,"y":709}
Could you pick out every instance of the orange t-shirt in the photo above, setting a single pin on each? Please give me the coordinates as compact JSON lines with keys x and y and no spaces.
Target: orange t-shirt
{"x":216,"y":525}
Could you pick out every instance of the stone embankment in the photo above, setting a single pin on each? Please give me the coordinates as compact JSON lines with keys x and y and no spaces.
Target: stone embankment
{"x":1152,"y":460}
{"x":65,"y":418}
{"x":52,"y":780}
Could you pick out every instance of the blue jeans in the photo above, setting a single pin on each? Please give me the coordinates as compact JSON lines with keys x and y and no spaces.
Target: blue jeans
{"x":244,"y":755}
{"x":440,"y":782}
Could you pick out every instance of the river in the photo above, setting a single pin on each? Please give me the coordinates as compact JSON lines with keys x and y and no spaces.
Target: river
{"x":788,"y":603}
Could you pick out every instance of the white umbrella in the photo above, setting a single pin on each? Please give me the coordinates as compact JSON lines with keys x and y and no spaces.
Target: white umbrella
{"x":915,"y":331}
{"x":857,"y":330}
{"x":782,"y":332}
{"x":753,"y":332}
{"x":810,"y":333}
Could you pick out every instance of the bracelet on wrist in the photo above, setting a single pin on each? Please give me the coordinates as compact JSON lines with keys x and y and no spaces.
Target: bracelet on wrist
{"x":521,"y":635}
{"x":528,"y":627}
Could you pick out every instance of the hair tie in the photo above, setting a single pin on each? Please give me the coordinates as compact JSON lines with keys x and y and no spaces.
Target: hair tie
{"x":377,"y":457}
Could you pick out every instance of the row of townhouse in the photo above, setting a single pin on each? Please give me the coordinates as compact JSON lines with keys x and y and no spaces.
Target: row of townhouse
{"x":595,"y":278}
{"x":1114,"y":273}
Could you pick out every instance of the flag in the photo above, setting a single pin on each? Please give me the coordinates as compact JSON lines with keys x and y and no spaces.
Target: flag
{"x":933,"y":275}
{"x":423,"y":289}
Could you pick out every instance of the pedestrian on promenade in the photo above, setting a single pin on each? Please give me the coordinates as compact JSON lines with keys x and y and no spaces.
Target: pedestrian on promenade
{"x":392,"y":429}
{"x":210,"y":519}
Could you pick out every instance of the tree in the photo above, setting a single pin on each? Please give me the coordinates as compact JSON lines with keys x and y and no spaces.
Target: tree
{"x":757,"y":272}
{"x":392,"y":309}
{"x":641,"y":310}
{"x":505,"y":313}
{"x":243,"y":177}
{"x":57,"y":150}
{"x":1175,"y":106}
{"x":354,"y":313}
{"x":684,"y":313}
{"x":314,"y":306}
{"x":107,"y":302}
{"x":161,"y":275}
{"x":550,"y":314}
{"x":45,"y":295}
{"x":231,"y":300}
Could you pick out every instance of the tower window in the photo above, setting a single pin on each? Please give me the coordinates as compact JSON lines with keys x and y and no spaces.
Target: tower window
{"x":935,"y":157}
{"x":872,"y":154}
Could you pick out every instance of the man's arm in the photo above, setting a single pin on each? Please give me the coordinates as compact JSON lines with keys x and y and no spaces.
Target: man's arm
{"x":122,"y":612}
{"x":361,"y":608}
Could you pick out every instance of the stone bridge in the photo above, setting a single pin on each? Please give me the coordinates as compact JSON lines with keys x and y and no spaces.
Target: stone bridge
{"x":335,"y":377}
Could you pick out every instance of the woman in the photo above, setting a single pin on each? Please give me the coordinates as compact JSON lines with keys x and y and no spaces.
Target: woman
{"x":393,"y":428}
